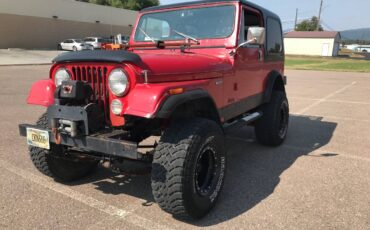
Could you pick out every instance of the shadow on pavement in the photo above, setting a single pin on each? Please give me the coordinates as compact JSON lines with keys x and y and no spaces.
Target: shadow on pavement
{"x":253,"y":170}
{"x":116,"y":184}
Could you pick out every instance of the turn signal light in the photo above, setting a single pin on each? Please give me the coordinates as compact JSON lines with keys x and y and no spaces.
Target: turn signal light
{"x":176,"y":91}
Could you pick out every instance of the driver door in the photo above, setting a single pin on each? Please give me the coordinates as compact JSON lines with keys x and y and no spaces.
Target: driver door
{"x":248,"y":61}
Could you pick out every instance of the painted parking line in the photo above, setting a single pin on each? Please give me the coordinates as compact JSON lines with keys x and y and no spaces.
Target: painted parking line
{"x":331,"y":117}
{"x":304,"y":110}
{"x":312,"y":150}
{"x":332,"y":101}
{"x":111,"y":210}
{"x":323,"y":151}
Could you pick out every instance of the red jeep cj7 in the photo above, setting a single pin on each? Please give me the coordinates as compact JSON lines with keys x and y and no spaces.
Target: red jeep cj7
{"x":189,"y":71}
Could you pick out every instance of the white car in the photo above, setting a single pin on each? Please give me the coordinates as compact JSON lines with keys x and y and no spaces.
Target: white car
{"x":364,"y":49}
{"x":74,"y":45}
{"x":94,"y":41}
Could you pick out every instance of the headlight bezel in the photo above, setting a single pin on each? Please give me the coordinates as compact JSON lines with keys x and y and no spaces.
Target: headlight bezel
{"x":58,"y":81}
{"x":124,"y":81}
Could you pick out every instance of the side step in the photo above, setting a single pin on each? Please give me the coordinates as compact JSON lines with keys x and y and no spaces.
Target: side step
{"x":245,"y":120}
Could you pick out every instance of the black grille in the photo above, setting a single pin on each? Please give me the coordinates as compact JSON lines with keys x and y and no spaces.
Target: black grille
{"x":97,"y":77}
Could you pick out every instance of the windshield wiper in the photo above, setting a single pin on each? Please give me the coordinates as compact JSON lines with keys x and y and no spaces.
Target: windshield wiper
{"x":147,"y":35}
{"x":187,"y":36}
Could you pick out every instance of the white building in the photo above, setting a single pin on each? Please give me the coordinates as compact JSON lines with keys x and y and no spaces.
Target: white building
{"x":43,"y":23}
{"x":312,"y":43}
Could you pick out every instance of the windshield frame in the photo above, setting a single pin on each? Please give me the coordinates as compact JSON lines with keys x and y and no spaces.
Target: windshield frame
{"x":224,"y":39}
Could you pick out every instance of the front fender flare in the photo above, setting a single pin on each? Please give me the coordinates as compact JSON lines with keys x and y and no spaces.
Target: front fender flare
{"x":174,"y":101}
{"x":42,"y":93}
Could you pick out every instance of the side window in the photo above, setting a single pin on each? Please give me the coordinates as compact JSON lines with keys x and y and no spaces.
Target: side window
{"x":274,"y":37}
{"x":249,"y":19}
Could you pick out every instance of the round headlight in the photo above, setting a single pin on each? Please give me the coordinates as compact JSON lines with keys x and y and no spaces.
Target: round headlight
{"x":118,"y":82}
{"x":116,"y":107}
{"x":60,"y":76}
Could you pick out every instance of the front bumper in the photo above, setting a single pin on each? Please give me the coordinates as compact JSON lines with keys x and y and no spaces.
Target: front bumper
{"x":104,"y":142}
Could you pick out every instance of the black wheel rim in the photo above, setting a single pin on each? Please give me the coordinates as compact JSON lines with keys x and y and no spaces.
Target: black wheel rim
{"x":284,"y":119}
{"x":205,"y":172}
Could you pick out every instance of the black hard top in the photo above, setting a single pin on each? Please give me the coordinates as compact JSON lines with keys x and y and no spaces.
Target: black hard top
{"x":265,"y":12}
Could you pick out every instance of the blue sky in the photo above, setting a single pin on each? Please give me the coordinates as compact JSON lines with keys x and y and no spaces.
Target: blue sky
{"x":337,"y":14}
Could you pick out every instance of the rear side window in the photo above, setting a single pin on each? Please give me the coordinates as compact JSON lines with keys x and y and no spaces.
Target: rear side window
{"x":274,"y":37}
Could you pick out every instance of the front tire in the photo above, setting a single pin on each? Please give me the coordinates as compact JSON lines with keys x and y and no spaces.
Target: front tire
{"x":54,"y":163}
{"x":74,"y":48}
{"x":271,"y":129}
{"x":189,"y":167}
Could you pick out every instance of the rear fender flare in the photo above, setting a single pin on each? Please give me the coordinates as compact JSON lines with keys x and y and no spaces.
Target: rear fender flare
{"x":274,"y":81}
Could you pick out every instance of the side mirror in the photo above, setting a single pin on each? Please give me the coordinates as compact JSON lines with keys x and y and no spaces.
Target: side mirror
{"x":255,"y":36}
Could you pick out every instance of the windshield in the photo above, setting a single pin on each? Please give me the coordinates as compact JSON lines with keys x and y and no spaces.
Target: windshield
{"x":199,"y":23}
{"x":78,"y":40}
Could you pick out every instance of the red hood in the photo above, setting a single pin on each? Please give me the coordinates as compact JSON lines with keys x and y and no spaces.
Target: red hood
{"x":183,"y":63}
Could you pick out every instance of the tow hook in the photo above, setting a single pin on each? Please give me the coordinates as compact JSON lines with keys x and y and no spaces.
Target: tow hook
{"x":57,"y":137}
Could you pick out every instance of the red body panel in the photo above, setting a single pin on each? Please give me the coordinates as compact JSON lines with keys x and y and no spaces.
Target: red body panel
{"x":42,"y":93}
{"x":154,"y":94}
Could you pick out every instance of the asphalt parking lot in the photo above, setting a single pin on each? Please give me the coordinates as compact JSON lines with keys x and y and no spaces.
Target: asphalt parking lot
{"x":319,"y":179}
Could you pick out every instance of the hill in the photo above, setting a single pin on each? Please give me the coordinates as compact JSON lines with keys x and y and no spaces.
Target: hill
{"x":357,"y":34}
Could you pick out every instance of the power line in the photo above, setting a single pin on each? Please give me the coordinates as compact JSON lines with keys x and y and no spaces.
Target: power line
{"x":327,"y":26}
{"x":293,"y":20}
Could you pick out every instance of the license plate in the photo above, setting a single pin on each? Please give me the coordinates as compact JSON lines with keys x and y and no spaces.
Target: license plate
{"x":38,"y":138}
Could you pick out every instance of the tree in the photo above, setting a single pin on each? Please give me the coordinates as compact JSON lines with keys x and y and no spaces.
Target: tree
{"x":139,"y":4}
{"x":126,"y":4}
{"x":309,"y":25}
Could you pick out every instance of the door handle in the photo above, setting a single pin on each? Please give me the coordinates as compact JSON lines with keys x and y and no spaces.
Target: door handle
{"x":260,"y":55}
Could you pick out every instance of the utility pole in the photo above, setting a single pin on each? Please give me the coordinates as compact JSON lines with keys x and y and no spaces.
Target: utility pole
{"x":296,"y":19}
{"x":319,"y":18}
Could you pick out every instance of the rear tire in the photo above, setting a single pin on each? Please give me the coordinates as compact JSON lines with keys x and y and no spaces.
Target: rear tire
{"x":60,"y":47}
{"x":189,"y":167}
{"x":54,"y":163}
{"x":271,"y":129}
